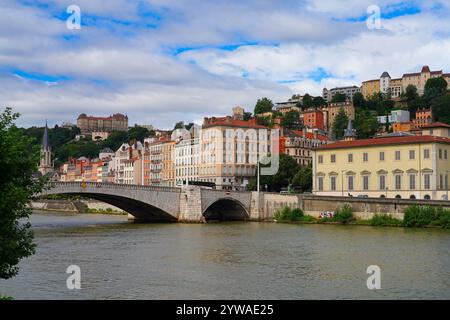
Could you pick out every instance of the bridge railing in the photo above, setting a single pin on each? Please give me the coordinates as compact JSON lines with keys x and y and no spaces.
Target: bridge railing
{"x":103,"y":185}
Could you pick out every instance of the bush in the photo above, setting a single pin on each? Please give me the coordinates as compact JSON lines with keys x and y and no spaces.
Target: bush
{"x":2,"y":297}
{"x":344,"y":214}
{"x":288,"y":214}
{"x":384,"y":220}
{"x":420,"y":216}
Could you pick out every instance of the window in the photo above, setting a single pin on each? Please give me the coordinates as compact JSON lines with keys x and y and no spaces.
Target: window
{"x":382,"y":156}
{"x":366,"y":182}
{"x":427,"y":179}
{"x":412,"y":154}
{"x":350,"y":182}
{"x":440,"y":153}
{"x":446,"y":182}
{"x":398,"y":182}
{"x":397,"y":155}
{"x":365,"y":157}
{"x":412,"y":182}
{"x":350,"y":157}
{"x":320,"y":183}
{"x":333,"y":158}
{"x":333,"y":183}
{"x":441,"y":181}
{"x":320,"y":159}
{"x":445,"y":154}
{"x":426,"y":153}
{"x":382,"y":182}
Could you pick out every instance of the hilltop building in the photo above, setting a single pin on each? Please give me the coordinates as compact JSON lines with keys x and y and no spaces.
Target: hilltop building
{"x":89,"y":124}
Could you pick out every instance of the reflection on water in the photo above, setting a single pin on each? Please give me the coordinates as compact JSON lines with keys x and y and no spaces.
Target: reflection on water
{"x":122,"y":260}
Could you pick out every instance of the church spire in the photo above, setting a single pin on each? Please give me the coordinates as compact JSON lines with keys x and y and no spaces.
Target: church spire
{"x":45,"y":141}
{"x":350,"y":132}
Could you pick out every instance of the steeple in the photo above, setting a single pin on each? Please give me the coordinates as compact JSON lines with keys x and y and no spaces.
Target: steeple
{"x":45,"y":165}
{"x":350,"y":132}
{"x":45,"y":141}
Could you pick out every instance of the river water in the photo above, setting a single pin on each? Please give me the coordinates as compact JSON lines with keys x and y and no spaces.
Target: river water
{"x":123,"y":260}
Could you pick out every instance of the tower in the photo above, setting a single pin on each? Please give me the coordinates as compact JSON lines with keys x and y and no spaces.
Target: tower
{"x":45,"y":165}
{"x":350,"y":132}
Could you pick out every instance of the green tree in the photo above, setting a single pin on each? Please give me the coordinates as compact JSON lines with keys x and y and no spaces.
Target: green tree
{"x":434,"y":88}
{"x":307,"y":102}
{"x":138,"y":133}
{"x":115,"y":140}
{"x":247,"y":116}
{"x":318,"y":102}
{"x":288,"y":167}
{"x":412,"y":98}
{"x":441,"y":109}
{"x":263,"y":105}
{"x":303,"y":178}
{"x":18,"y":162}
{"x":366,"y":123}
{"x":340,"y":124}
{"x":358,"y":100}
{"x":339,"y":97}
{"x":291,"y":120}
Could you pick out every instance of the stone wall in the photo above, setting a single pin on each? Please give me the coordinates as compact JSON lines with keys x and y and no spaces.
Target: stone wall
{"x":58,"y":205}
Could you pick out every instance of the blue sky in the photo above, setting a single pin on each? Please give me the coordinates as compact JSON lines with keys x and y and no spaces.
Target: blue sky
{"x":161,"y":61}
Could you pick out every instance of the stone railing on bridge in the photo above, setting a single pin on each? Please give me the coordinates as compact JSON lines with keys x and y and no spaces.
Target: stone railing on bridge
{"x":104,"y":185}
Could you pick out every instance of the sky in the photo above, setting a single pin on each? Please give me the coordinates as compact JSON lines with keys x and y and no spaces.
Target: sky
{"x":163,"y":61}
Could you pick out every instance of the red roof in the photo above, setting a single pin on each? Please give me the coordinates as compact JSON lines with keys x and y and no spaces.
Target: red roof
{"x":227,"y":122}
{"x":384,"y":141}
{"x":310,"y":135}
{"x":436,"y":125}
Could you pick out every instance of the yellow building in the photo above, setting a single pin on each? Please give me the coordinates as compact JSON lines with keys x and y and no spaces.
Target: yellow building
{"x":407,"y":167}
{"x":370,"y":87}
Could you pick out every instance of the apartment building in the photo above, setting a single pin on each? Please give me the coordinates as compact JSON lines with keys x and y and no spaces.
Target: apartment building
{"x":396,"y":86}
{"x":333,"y":109}
{"x":407,"y":167}
{"x":299,"y":144}
{"x":349,"y":91}
{"x":230,"y":150}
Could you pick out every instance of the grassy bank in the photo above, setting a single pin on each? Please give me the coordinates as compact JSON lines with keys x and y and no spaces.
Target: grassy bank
{"x":415,"y":216}
{"x":2,"y":297}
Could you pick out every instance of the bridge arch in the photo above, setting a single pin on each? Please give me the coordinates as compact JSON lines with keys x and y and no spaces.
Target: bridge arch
{"x":146,"y":204}
{"x":226,"y":209}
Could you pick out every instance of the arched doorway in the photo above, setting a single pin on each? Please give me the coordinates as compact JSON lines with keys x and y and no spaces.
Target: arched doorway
{"x":412,"y":196}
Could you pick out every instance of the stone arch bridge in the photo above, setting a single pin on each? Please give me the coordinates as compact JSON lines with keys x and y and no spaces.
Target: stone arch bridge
{"x":163,"y":204}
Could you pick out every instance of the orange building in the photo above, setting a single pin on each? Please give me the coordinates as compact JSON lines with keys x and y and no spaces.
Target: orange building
{"x":313,"y":119}
{"x":423,"y":117}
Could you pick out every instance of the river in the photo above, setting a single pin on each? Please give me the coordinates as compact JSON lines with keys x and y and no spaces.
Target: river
{"x":123,"y":260}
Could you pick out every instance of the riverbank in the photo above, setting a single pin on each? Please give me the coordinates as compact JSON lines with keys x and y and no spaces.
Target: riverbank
{"x":415,"y":216}
{"x":76,"y":206}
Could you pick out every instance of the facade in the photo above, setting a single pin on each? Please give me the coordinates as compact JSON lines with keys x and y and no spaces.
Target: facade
{"x":407,"y":167}
{"x":299,"y":144}
{"x":423,"y":117}
{"x":89,"y":124}
{"x":370,"y":87}
{"x":348,"y":91}
{"x":230,"y":150}
{"x":313,"y":119}
{"x":395,"y":87}
{"x":436,"y":129}
{"x":99,"y":135}
{"x":333,"y":109}
{"x":187,"y":160}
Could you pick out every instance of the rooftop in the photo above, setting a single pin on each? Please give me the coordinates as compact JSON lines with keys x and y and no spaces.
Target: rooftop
{"x":436,"y":125}
{"x":385,"y":141}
